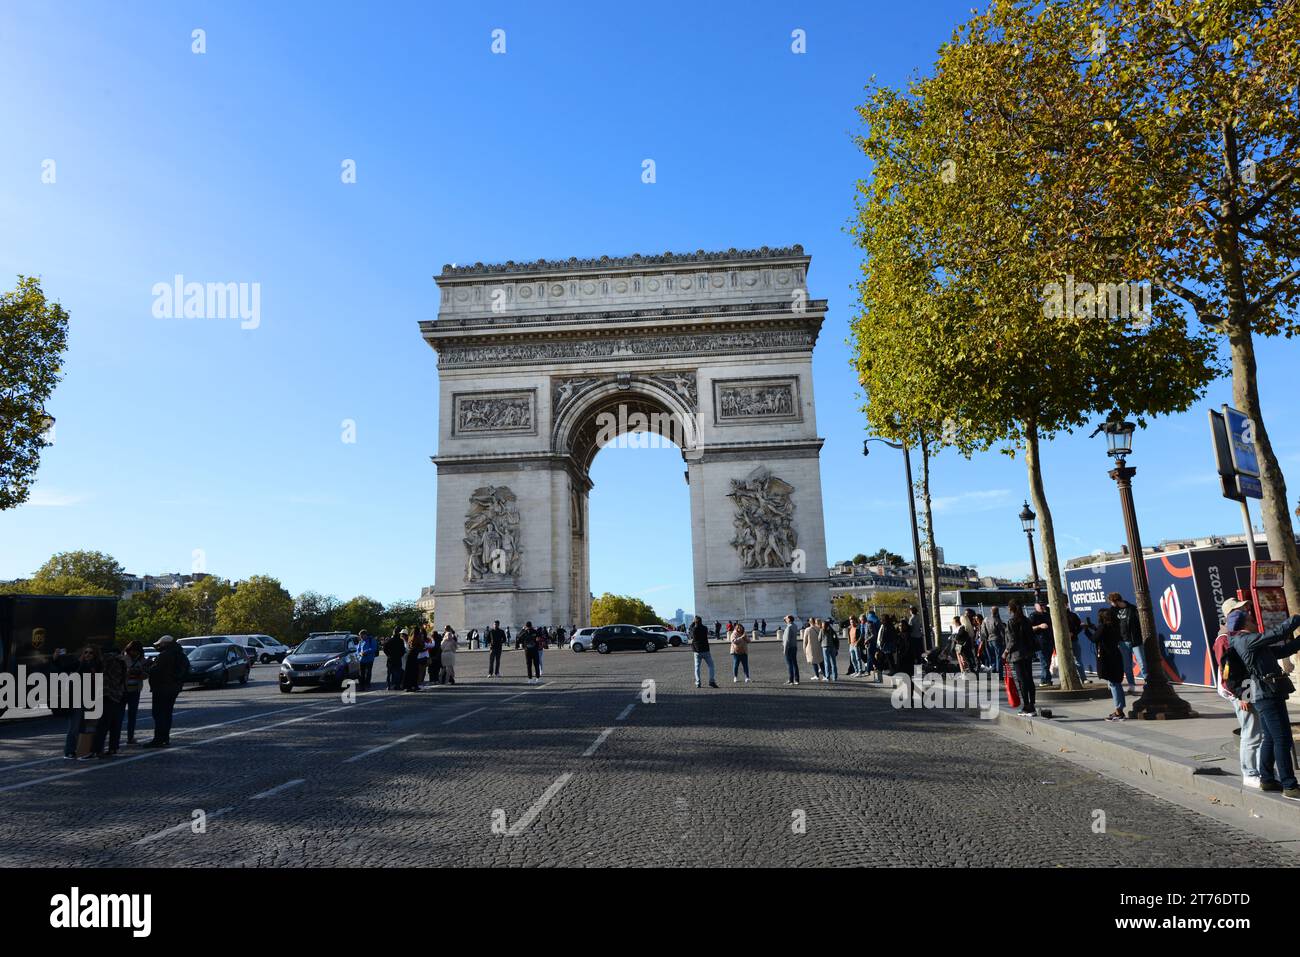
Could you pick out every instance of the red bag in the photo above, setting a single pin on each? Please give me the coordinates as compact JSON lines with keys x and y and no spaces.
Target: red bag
{"x":1013,"y":695}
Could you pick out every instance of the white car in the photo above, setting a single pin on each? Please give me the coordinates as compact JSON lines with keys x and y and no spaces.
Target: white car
{"x":264,"y":648}
{"x":675,"y":638}
{"x":581,"y":639}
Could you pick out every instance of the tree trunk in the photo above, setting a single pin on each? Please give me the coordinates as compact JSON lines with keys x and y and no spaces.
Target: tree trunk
{"x":931,"y":551}
{"x":1276,"y":518}
{"x":1071,"y":680}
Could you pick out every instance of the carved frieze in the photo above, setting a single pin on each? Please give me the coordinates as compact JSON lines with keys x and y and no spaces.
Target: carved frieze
{"x":577,"y":350}
{"x":494,"y":412}
{"x":492,"y":535}
{"x":764,"y":520}
{"x":749,"y":400}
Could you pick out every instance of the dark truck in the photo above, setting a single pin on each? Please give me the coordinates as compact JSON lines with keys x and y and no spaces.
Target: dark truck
{"x":34,"y":628}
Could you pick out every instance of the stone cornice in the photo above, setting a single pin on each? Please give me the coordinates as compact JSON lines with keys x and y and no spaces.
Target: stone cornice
{"x":497,"y":326}
{"x":574,"y":265}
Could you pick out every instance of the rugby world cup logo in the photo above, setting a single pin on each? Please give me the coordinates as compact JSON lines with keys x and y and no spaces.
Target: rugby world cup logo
{"x":1171,"y":609}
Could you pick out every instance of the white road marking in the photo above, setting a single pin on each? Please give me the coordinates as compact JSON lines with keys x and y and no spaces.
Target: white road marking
{"x":118,"y":762}
{"x":183,"y":826}
{"x":382,"y":747}
{"x":465,"y":715}
{"x":626,"y":711}
{"x":521,"y":825}
{"x":598,"y":742}
{"x":277,"y":789}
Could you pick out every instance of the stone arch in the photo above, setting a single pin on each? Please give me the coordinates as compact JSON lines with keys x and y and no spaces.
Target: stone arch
{"x":541,"y":363}
{"x":581,"y":426}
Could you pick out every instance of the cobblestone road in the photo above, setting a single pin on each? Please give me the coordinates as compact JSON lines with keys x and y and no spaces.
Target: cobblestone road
{"x":580,"y":770}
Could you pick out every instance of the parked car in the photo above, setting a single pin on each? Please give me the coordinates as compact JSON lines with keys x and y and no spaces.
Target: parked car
{"x":581,"y":639}
{"x":264,"y":648}
{"x":152,"y":650}
{"x":327,"y":658}
{"x":626,"y":637}
{"x":216,"y":664}
{"x":675,"y":638}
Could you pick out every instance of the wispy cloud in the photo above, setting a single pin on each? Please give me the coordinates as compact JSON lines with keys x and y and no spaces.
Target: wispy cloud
{"x":979,"y":501}
{"x":654,"y":588}
{"x":54,"y":498}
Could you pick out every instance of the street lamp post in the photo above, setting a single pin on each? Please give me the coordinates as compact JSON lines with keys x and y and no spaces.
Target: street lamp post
{"x":1027,"y":518}
{"x":916,"y":537}
{"x":1158,"y":699}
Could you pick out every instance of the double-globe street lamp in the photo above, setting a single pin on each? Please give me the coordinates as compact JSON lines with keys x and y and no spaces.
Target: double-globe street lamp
{"x":1027,"y":518}
{"x":1158,"y":699}
{"x":916,"y":537}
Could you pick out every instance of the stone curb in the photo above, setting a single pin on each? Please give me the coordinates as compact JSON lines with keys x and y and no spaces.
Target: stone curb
{"x":1188,"y":776}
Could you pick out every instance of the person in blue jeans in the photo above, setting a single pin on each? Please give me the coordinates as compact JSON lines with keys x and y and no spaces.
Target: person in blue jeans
{"x":830,"y":650}
{"x":700,"y":645}
{"x":1268,"y":691}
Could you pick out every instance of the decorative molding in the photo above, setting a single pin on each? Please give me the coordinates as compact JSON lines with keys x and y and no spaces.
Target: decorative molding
{"x":761,"y":399}
{"x":814,"y":309}
{"x":764,"y":520}
{"x":682,"y":383}
{"x":564,"y":389}
{"x":745,"y":342}
{"x":614,"y":262}
{"x":511,"y":412}
{"x":492,"y":535}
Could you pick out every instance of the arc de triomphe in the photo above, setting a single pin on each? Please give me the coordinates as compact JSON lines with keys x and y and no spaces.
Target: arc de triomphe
{"x":542,"y":363}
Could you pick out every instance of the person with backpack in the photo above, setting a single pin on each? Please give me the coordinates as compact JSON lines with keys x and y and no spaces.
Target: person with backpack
{"x":529,"y":640}
{"x":1230,"y":684}
{"x":1267,"y":689}
{"x":1110,"y":658}
{"x":166,"y":675}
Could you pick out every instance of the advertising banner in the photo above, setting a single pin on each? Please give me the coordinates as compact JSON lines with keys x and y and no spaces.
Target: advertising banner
{"x":1179,"y":620}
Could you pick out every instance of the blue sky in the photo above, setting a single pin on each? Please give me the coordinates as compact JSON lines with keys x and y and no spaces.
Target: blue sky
{"x":175,"y":436}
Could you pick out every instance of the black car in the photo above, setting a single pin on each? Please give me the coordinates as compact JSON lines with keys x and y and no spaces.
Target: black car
{"x":328,"y":658}
{"x":217,"y":664}
{"x":626,"y":638}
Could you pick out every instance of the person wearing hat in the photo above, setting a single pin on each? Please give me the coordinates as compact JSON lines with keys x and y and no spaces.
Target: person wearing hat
{"x":1229,"y":681}
{"x":1266,"y":689}
{"x":166,"y":675}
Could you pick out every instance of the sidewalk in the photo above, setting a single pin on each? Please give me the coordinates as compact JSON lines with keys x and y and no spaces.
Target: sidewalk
{"x":1198,"y":755}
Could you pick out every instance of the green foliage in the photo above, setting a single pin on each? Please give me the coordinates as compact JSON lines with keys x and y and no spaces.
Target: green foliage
{"x":610,"y":609}
{"x":358,"y":613}
{"x":94,"y":568}
{"x":57,"y":585}
{"x":859,"y":559}
{"x":259,"y":605}
{"x":33,"y":338}
{"x":846,"y":606}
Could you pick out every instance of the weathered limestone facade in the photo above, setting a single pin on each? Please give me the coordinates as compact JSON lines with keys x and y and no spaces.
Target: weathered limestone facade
{"x":540,"y":364}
